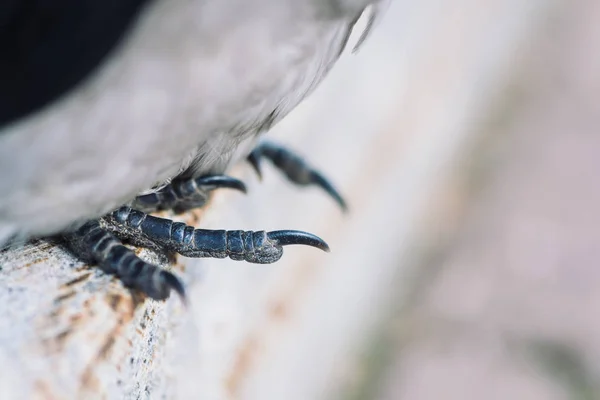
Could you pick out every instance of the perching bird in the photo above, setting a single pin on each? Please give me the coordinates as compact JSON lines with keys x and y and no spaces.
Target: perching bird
{"x":112,"y":109}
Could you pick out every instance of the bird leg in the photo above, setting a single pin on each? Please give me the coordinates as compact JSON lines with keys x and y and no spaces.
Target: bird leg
{"x":95,"y":244}
{"x":294,"y":168}
{"x":183,"y":195}
{"x":256,"y":247}
{"x":99,"y":242}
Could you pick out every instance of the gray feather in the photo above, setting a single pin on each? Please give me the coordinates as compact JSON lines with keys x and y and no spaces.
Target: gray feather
{"x":193,"y":80}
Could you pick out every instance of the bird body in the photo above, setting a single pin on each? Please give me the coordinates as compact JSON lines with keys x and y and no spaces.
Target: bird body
{"x":188,"y":83}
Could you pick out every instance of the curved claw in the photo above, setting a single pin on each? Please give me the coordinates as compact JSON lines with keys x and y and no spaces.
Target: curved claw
{"x":221,"y":181}
{"x":288,"y":237}
{"x":174,"y":283}
{"x":320,"y":181}
{"x":254,"y":160}
{"x":294,"y":168}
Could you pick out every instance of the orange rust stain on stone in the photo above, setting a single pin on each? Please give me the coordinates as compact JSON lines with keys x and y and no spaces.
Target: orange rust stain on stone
{"x":178,"y":266}
{"x":137,"y":298}
{"x":55,"y":313}
{"x":63,"y":335}
{"x":36,"y":261}
{"x":189,"y":217}
{"x":87,"y":308}
{"x":89,"y":383}
{"x":41,"y":390}
{"x":37,"y":247}
{"x":243,"y":362}
{"x":122,"y":304}
{"x":65,"y":296}
{"x":77,"y":280}
{"x":193,"y":217}
{"x":278,"y":310}
{"x":113,"y":300}
{"x":124,"y":307}
{"x":104,"y":351}
{"x":31,"y":263}
{"x":57,"y":343}
{"x":43,"y":245}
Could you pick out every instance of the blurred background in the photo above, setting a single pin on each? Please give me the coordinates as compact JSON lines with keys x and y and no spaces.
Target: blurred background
{"x":501,"y":303}
{"x":464,"y":137}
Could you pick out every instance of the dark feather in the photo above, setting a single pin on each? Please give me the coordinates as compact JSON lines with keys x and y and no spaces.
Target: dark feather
{"x":48,"y":47}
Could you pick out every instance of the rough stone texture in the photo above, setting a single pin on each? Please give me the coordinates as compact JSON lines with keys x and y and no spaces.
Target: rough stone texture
{"x":66,"y":329}
{"x":510,"y":311}
{"x":388,"y":127}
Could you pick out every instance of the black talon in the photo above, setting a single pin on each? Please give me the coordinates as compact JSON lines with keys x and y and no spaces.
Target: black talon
{"x":95,"y":241}
{"x":182,"y":195}
{"x":256,"y":247}
{"x":174,"y":283}
{"x":289,"y":237}
{"x":324,"y":184}
{"x":294,"y":168}
{"x":95,"y":244}
{"x":213,"y":182}
{"x":254,"y":160}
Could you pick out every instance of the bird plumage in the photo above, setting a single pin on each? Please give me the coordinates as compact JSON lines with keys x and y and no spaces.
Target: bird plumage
{"x":50,"y":46}
{"x":178,"y":92}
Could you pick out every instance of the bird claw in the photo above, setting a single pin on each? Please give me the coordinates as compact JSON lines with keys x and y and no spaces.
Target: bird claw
{"x":175,"y":284}
{"x":267,"y":247}
{"x":136,"y":226}
{"x":186,"y":194}
{"x":213,"y":182}
{"x":291,"y":237}
{"x":94,"y":243}
{"x":254,"y":160}
{"x":294,"y":168}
